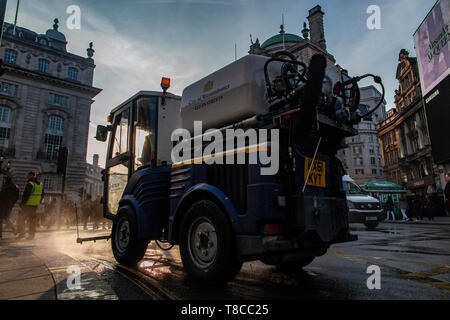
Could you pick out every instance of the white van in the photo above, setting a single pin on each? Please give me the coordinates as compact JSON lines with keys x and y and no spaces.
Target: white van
{"x":362,"y":208}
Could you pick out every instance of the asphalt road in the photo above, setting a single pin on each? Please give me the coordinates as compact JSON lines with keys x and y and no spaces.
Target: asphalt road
{"x":414,"y":262}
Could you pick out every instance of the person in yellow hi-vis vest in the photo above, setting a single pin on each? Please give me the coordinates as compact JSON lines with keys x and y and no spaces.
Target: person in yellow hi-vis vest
{"x":148,"y":150}
{"x":31,"y":199}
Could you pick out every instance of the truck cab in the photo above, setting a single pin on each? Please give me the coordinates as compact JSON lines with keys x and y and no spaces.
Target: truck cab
{"x":139,"y":130}
{"x":363,"y":208}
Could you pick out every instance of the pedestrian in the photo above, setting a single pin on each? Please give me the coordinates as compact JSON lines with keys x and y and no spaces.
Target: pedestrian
{"x":390,"y":208}
{"x":86,"y":211}
{"x":429,"y":208}
{"x":404,"y":207}
{"x":31,"y":199}
{"x":418,"y":207}
{"x":447,"y":193}
{"x":8,"y":198}
{"x":98,"y":214}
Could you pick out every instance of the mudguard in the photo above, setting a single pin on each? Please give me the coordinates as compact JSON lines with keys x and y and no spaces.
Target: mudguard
{"x":201,"y":191}
{"x":144,"y":223}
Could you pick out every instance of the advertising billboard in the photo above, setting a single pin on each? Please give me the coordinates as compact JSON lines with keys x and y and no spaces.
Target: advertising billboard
{"x":438,"y":115}
{"x":432,"y":46}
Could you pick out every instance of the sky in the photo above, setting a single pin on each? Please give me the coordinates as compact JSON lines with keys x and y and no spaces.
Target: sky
{"x":137,"y":42}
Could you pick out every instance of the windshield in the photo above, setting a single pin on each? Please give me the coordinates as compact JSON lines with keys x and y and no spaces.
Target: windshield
{"x":353,"y":189}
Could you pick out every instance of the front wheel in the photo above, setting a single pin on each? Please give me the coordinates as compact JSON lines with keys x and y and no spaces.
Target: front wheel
{"x":207,"y":244}
{"x":127,"y":248}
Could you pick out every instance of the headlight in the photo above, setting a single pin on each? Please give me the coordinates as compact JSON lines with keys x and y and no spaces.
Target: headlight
{"x":350,"y":205}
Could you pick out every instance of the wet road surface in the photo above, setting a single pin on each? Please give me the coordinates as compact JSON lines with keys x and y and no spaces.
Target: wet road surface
{"x":414,"y":261}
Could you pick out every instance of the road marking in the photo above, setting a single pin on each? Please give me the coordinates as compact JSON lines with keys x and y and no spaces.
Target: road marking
{"x":429,"y":273}
{"x":421,"y":277}
{"x":145,"y":282}
{"x":170,"y":295}
{"x":58,"y":269}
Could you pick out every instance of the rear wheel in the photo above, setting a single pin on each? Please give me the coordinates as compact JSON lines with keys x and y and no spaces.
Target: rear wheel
{"x":207,"y":244}
{"x":127,"y":248}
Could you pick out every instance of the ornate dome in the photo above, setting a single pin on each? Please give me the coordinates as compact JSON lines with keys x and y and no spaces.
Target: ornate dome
{"x":57,"y":39}
{"x":278,"y":39}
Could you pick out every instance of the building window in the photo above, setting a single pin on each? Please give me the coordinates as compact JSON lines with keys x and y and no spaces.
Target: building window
{"x":10,"y":56}
{"x":55,"y":124}
{"x":415,"y":144}
{"x":73,"y":74}
{"x":43,"y":65}
{"x":9,"y":89}
{"x":53,"y":136}
{"x":372,"y":161}
{"x":5,"y":125}
{"x":358,"y":161}
{"x":52,"y":144}
{"x":357,"y":150}
{"x":58,"y":100}
{"x":374,"y":171}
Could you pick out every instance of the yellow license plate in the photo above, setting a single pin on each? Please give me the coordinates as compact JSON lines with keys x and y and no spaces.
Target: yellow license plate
{"x":317,"y":174}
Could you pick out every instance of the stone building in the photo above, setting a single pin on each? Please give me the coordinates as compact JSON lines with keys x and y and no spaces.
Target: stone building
{"x":404,"y":135}
{"x":302,"y":47}
{"x":312,"y":41}
{"x":362,"y":158}
{"x":93,"y":183}
{"x":45,"y":102}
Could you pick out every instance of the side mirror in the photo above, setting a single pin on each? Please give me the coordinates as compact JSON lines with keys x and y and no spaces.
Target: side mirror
{"x":102,"y":133}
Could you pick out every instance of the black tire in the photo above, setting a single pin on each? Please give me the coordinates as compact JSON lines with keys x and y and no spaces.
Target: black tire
{"x":371,"y":226}
{"x":295,"y":265}
{"x":131,"y":251}
{"x":207,"y":244}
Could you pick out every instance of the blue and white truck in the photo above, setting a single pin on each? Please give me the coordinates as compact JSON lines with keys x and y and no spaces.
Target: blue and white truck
{"x":283,"y":213}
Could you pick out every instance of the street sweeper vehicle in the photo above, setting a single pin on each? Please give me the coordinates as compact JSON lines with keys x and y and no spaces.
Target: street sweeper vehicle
{"x":242,"y":167}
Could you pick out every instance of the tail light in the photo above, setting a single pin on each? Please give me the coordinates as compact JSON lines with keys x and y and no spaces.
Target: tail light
{"x":273,"y":229}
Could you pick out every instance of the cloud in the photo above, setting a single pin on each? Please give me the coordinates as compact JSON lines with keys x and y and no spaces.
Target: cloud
{"x":376,"y":51}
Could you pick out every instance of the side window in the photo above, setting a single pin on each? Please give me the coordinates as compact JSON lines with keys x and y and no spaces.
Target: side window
{"x":145,"y":146}
{"x":121,"y":134}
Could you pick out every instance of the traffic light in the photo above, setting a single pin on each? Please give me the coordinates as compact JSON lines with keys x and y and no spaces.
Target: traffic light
{"x":62,"y":160}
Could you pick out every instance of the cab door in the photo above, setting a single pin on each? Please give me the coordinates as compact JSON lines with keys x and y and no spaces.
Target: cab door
{"x":118,"y":164}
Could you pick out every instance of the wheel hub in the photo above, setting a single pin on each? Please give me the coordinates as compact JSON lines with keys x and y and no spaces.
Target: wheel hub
{"x":203,"y":243}
{"x":123,"y":235}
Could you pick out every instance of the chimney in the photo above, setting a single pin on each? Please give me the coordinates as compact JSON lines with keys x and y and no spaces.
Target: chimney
{"x":317,"y":32}
{"x":95,"y":160}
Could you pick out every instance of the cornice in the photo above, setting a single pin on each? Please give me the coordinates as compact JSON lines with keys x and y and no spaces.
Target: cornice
{"x":49,"y":78}
{"x":26,"y":46}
